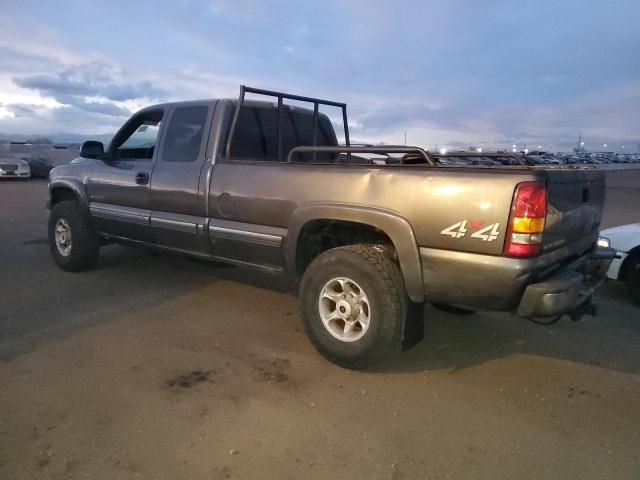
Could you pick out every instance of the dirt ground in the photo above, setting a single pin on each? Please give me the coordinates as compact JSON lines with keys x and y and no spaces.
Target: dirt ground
{"x":160,"y":367}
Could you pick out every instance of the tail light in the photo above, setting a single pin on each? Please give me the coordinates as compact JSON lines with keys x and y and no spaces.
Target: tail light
{"x":526,"y":221}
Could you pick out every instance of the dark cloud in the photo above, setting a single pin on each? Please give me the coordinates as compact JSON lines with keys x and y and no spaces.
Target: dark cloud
{"x":411,"y":114}
{"x":89,"y":80}
{"x":20,"y":110}
{"x":43,"y":120}
{"x":18,"y":62}
{"x":103,"y":108}
{"x":74,"y":86}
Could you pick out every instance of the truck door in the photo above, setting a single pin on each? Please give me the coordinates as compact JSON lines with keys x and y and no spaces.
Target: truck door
{"x":250,"y":209}
{"x":119,"y":185}
{"x":179,"y":180}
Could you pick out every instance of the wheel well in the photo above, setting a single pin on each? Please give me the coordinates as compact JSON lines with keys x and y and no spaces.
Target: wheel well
{"x":318,"y":236}
{"x":634,"y":254}
{"x":60,"y":194}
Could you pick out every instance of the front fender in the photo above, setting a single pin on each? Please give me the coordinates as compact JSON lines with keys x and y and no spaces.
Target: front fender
{"x":394,"y":226}
{"x":70,"y":183}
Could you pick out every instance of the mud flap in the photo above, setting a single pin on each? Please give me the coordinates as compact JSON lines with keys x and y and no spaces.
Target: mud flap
{"x":413,"y":331}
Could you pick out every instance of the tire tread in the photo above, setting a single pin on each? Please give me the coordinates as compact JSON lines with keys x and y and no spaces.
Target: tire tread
{"x":388,"y":272}
{"x":85,"y":243}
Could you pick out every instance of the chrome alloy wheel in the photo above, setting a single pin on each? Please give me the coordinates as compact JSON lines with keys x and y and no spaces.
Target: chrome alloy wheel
{"x":344,"y":309}
{"x":63,"y":237}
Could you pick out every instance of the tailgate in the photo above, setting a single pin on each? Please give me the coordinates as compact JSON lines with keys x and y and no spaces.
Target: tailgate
{"x":575,"y":204}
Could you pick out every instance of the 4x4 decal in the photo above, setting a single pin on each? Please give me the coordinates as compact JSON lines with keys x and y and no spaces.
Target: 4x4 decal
{"x":459,"y":230}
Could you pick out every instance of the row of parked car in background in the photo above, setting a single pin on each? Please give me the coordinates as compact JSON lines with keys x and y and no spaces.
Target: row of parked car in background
{"x":26,"y":160}
{"x":30,"y":160}
{"x":25,"y":167}
{"x":539,"y":158}
{"x":580,"y":157}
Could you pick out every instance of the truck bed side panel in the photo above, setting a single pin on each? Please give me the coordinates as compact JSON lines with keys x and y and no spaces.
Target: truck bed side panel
{"x":431,"y":200}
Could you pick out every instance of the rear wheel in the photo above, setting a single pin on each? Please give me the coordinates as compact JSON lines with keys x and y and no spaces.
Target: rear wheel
{"x":73,"y":243}
{"x":352,"y":305}
{"x":632,"y":279}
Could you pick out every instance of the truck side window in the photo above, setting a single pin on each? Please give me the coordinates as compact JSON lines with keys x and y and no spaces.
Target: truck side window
{"x":138,"y":139}
{"x":184,"y":134}
{"x":256,"y":135}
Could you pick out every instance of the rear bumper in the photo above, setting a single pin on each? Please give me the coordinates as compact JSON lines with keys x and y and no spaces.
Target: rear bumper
{"x":566,"y":290}
{"x":484,"y":282}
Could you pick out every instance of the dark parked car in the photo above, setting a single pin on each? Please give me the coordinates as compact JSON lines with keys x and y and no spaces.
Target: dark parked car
{"x":40,"y":167}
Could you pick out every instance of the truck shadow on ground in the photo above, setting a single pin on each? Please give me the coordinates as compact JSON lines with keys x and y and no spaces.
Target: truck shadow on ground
{"x":145,"y":279}
{"x":459,"y":342}
{"x":117,"y":256}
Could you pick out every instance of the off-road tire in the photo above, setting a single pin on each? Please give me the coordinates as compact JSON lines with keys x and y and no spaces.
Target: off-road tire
{"x":85,"y":244}
{"x":380,"y":277}
{"x":632,"y":279}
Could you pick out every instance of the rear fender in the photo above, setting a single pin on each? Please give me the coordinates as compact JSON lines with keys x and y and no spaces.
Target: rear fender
{"x":394,"y":226}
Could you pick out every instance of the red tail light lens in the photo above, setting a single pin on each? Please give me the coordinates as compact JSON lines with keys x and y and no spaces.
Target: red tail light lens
{"x":522,"y":249}
{"x":527,"y":219}
{"x":530,"y":200}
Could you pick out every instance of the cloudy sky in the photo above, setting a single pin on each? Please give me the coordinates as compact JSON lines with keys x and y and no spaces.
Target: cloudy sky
{"x":449,"y":72}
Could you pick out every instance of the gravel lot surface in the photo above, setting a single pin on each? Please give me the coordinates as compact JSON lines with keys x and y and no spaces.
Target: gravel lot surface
{"x":161,"y":367}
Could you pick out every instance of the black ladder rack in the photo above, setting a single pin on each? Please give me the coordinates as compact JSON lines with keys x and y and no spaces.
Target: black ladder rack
{"x":281,"y":96}
{"x":430,"y":158}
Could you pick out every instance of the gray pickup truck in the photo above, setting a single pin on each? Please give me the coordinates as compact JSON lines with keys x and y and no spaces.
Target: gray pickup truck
{"x":371,"y":233}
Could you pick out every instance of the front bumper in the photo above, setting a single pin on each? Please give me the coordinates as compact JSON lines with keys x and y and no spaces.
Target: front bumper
{"x":568,"y":289}
{"x":15,"y":173}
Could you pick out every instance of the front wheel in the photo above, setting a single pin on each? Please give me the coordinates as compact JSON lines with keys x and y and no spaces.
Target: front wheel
{"x":352,"y":305}
{"x":73,"y":243}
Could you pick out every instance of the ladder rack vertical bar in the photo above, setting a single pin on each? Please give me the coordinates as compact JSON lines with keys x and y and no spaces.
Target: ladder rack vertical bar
{"x":315,"y":129}
{"x":279,"y":128}
{"x":346,"y":129}
{"x":234,"y":122}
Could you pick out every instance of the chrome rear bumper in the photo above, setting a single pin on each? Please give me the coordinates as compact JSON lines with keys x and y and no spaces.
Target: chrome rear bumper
{"x":568,"y":289}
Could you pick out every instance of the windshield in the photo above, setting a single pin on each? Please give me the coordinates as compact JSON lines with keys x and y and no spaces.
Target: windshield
{"x":144,"y":137}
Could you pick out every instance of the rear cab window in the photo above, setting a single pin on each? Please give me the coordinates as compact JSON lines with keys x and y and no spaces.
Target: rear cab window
{"x":256,"y":135}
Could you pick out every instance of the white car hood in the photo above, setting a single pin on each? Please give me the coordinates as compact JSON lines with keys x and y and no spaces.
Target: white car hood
{"x":623,"y":237}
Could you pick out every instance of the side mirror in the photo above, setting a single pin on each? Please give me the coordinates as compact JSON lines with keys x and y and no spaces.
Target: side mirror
{"x":92,"y":149}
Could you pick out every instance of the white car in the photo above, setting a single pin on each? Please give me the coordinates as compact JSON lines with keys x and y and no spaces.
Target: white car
{"x":14,"y":168}
{"x":626,"y":266}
